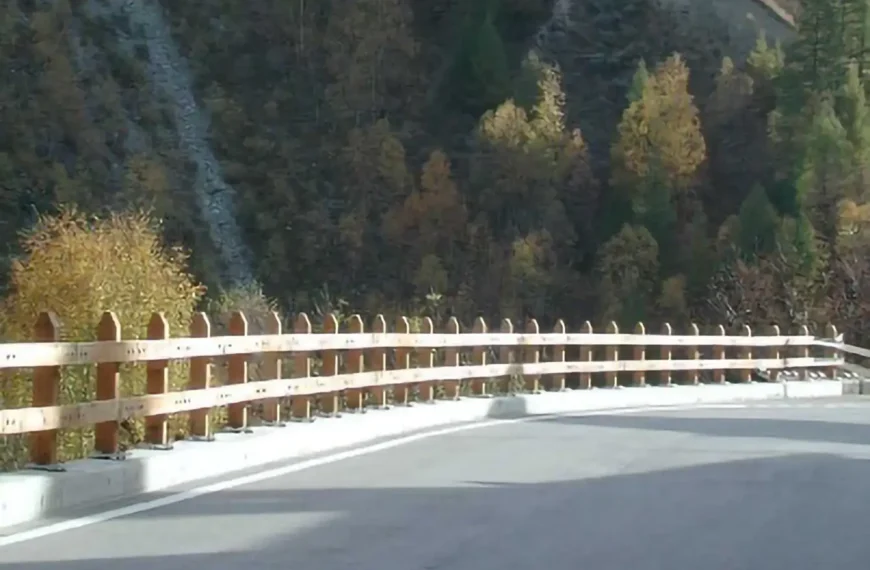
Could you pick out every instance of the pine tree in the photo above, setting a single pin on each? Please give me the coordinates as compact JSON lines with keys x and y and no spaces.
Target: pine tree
{"x":628,"y":269}
{"x":757,"y":223}
{"x":480,"y":77}
{"x":855,"y":117}
{"x":638,"y":82}
{"x":831,"y":34}
{"x":822,"y":176}
{"x":855,"y":18}
{"x":656,"y":212}
{"x":765,"y":61}
{"x":819,"y":51}
{"x":661,"y":128}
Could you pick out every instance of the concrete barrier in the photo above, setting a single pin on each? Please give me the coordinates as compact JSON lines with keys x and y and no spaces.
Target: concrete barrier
{"x":29,"y":496}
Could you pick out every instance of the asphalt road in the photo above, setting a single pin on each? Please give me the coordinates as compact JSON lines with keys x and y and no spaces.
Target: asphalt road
{"x":768,"y":487}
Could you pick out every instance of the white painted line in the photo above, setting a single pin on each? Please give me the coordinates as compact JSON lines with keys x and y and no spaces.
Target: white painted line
{"x":72,"y":524}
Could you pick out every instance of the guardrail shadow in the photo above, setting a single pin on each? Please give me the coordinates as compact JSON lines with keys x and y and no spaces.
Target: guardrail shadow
{"x":457,"y":503}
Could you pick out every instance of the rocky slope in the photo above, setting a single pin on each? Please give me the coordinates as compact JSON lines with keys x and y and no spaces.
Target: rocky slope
{"x":170,"y":78}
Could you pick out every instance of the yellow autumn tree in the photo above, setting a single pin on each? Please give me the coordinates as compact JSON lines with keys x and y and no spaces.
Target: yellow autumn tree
{"x":660,"y":131}
{"x":78,"y":267}
{"x":428,"y":224}
{"x":530,"y":169}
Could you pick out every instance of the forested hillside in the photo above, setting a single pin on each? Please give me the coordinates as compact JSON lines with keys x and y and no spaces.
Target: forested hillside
{"x":459,"y":157}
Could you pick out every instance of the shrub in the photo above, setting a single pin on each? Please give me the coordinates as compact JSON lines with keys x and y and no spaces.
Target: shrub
{"x":258,"y":309}
{"x":80,"y":266}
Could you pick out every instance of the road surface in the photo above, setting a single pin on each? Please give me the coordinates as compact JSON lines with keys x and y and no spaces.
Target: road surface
{"x":779,"y":486}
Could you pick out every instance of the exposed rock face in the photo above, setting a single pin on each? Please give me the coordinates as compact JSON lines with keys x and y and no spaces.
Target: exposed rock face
{"x":170,"y":77}
{"x":560,"y":19}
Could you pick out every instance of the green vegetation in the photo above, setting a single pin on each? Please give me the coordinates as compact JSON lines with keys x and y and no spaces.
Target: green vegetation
{"x":79,"y":267}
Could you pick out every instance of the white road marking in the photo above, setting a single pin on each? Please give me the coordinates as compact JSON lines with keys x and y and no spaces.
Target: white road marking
{"x":72,"y":524}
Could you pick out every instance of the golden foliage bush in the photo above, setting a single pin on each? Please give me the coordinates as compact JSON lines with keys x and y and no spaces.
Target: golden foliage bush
{"x":78,"y":267}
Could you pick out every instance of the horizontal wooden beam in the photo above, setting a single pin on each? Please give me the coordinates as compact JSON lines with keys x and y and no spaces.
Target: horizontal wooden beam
{"x":30,"y":355}
{"x":24,"y":420}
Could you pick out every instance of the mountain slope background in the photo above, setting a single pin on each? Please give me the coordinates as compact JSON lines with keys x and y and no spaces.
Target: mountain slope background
{"x":445,"y":156}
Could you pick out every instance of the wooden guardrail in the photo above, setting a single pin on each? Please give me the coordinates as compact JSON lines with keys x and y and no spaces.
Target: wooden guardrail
{"x":360,"y":366}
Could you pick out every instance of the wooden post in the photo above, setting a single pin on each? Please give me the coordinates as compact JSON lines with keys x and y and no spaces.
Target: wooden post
{"x":803,"y":352}
{"x":478,"y":358}
{"x":426,"y":359}
{"x":157,"y":382}
{"x":557,"y":383}
{"x":237,"y":373}
{"x":200,"y":379}
{"x":329,"y":404}
{"x":451,"y":358}
{"x":402,"y":392}
{"x":108,"y":381}
{"x":693,"y":353}
{"x":831,"y":335}
{"x":272,"y":370}
{"x":746,"y":354}
{"x":376,"y":360}
{"x":774,"y":353}
{"x":638,"y":377}
{"x":506,"y":355}
{"x":719,"y":354}
{"x":586,"y":356}
{"x":666,"y":354}
{"x":46,"y":389}
{"x":533,"y":356}
{"x":611,"y":354}
{"x":354,"y":363}
{"x":300,"y":406}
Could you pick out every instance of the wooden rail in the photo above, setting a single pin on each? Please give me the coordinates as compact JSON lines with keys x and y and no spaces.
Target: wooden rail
{"x":357,"y":365}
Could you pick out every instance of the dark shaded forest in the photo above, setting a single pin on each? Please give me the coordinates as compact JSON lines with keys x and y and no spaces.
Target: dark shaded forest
{"x":599,"y":159}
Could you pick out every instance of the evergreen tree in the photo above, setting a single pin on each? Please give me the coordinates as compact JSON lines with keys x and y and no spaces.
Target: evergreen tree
{"x":765,"y":62}
{"x":658,"y":215}
{"x":662,"y":130}
{"x":628,"y":268}
{"x":481,"y":77}
{"x":797,"y":238}
{"x":638,"y":82}
{"x":819,"y":51}
{"x":831,"y":34}
{"x":855,"y":18}
{"x":823,"y":172}
{"x":854,"y":115}
{"x":757,"y":224}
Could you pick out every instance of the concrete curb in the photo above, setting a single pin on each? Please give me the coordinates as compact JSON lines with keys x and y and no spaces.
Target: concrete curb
{"x":28,"y":496}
